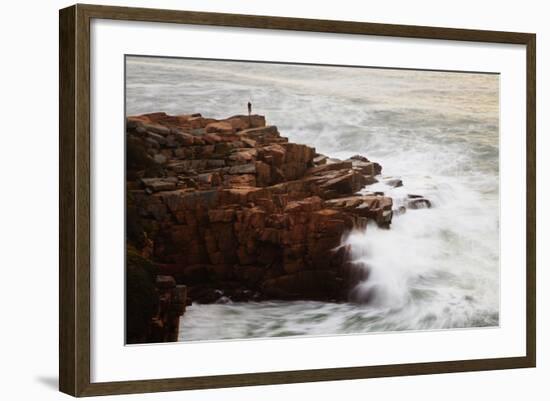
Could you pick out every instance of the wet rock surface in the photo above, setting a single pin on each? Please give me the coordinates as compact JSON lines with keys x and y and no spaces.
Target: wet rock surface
{"x":236,"y":212}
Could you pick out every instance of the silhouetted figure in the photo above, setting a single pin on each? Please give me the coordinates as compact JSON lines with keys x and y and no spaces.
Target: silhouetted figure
{"x":249,"y":113}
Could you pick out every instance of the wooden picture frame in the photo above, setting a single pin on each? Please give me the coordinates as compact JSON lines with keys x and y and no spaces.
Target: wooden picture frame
{"x":74,"y":205}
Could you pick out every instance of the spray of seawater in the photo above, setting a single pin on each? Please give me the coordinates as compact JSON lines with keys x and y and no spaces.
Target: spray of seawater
{"x":435,"y":267}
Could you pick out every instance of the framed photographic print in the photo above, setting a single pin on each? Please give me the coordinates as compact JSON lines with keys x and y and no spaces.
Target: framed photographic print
{"x":251,"y":200}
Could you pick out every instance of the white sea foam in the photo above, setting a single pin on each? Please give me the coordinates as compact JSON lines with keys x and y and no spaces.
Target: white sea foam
{"x":438,"y":132}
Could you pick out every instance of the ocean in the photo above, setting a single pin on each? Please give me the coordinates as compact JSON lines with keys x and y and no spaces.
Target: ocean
{"x":438,"y":132}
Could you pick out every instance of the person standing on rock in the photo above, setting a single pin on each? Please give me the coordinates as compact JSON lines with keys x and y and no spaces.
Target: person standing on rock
{"x":249,"y":112}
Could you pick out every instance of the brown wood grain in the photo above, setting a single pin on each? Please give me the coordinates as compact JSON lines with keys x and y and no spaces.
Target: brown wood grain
{"x":67,"y":97}
{"x":74,"y":198}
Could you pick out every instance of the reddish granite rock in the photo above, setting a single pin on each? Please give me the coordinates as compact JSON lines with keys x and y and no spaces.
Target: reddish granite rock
{"x":273,"y":155}
{"x":241,"y":122}
{"x":239,"y":180}
{"x":220,"y":127}
{"x":377,"y":208}
{"x":263,"y":135}
{"x":324,"y":168}
{"x":211,"y":139}
{"x":235,"y":210}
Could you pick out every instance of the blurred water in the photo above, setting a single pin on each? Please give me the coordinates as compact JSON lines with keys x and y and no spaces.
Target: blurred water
{"x":435,"y":268}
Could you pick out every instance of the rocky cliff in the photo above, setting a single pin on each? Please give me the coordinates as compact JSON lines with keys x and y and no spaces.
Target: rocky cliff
{"x":154,"y":303}
{"x":234,"y":211}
